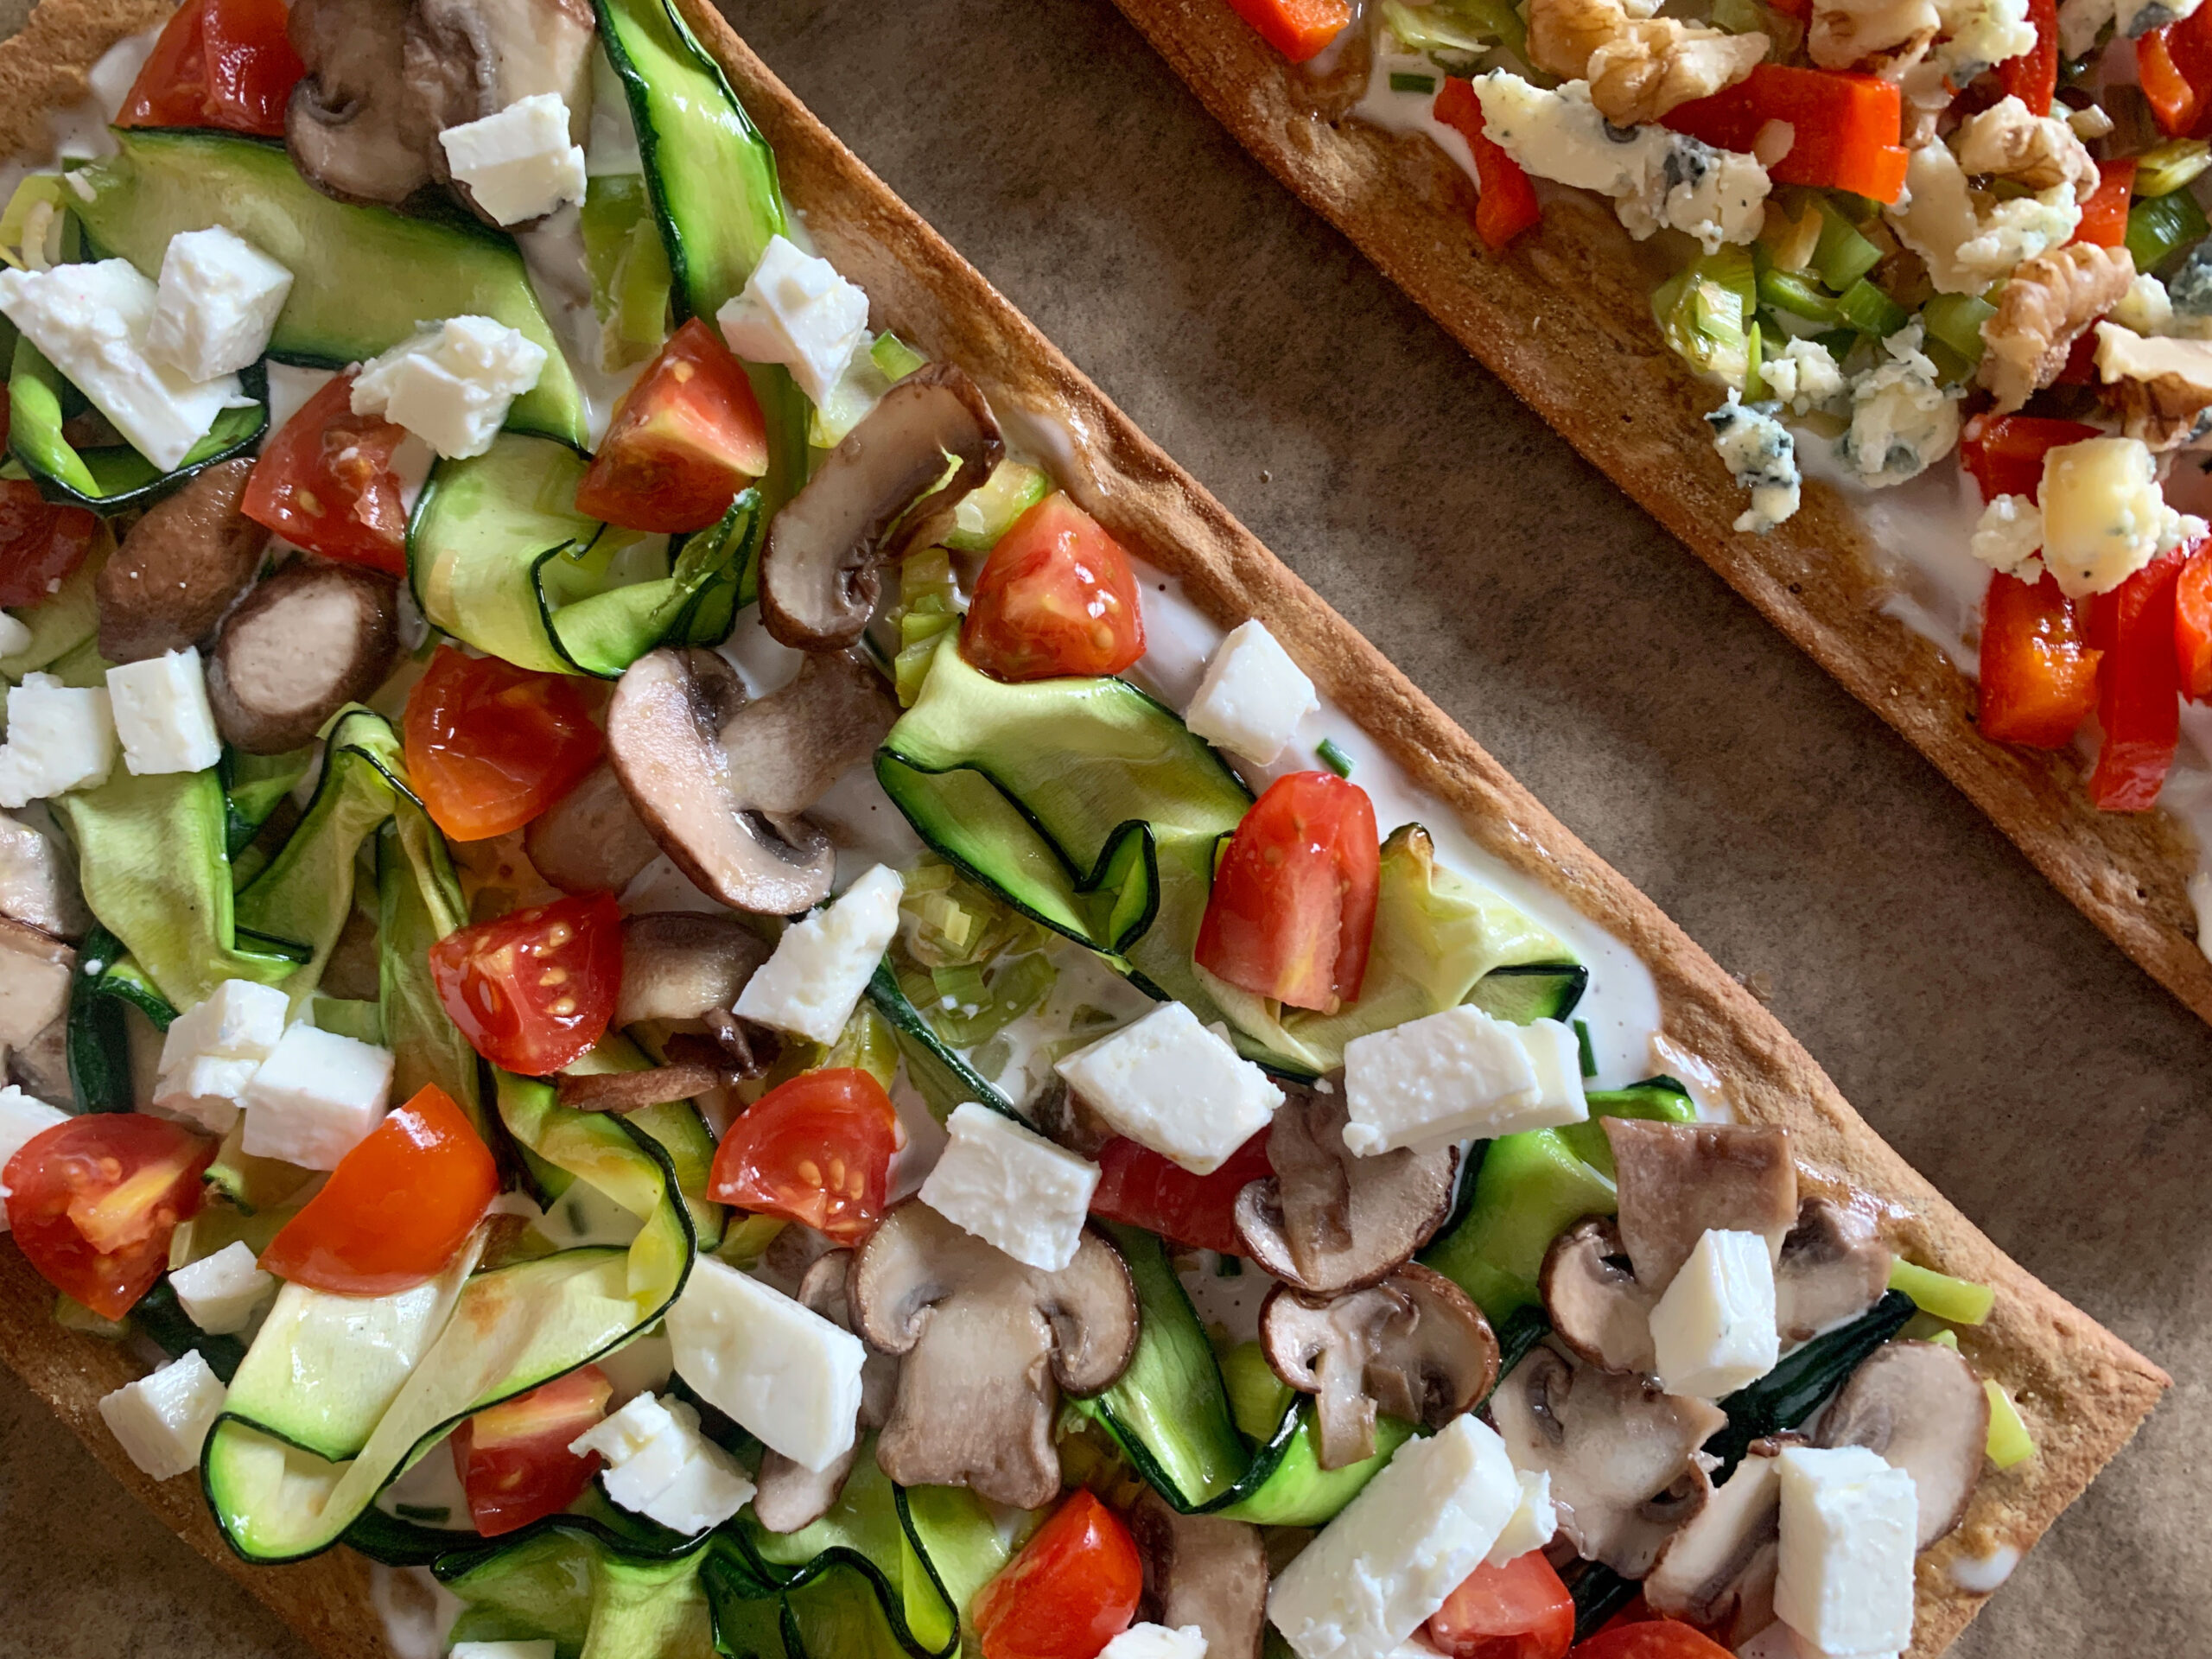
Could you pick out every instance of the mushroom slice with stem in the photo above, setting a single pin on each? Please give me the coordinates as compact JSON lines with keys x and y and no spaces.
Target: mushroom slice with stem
{"x":1679,"y":1181}
{"x":38,"y":881}
{"x":682,"y":964}
{"x":1329,"y":1220}
{"x":1623,"y":1455}
{"x":632,"y":1091}
{"x":1919,"y":1406}
{"x":892,"y":484}
{"x":1834,"y":1267}
{"x":180,"y":568}
{"x":1598,"y":1309}
{"x":791,"y":1495}
{"x":1203,"y":1570}
{"x":463,"y":60}
{"x":1414,"y":1346}
{"x":1717,"y":1572}
{"x":590,"y":840}
{"x":351,"y":127}
{"x":985,"y":1345}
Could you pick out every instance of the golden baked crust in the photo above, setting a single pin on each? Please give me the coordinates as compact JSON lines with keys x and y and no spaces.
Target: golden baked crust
{"x":2081,"y":1389}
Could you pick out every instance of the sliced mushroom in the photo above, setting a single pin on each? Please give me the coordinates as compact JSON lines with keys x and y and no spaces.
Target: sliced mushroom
{"x":41,"y":1067}
{"x":791,"y":1495}
{"x":884,"y":489}
{"x":720,"y":783}
{"x":350,"y":126}
{"x":1718,"y":1569}
{"x":1834,"y":1267}
{"x":312,"y":638}
{"x":180,"y":568}
{"x":1623,"y":1455}
{"x":1679,"y":1181}
{"x":680,"y":965}
{"x":1202,"y":1570}
{"x":1598,"y":1309}
{"x":38,"y":886}
{"x":632,"y":1091}
{"x":1919,"y":1406}
{"x":590,"y":840}
{"x":463,"y":60}
{"x":985,"y":1346}
{"x":1414,"y":1346}
{"x":34,"y":973}
{"x":1329,"y":1221}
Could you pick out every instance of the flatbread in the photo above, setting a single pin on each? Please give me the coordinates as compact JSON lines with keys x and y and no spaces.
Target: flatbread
{"x":2082,"y":1391}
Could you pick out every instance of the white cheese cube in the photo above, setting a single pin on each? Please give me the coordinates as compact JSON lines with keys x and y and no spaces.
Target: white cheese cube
{"x":315,"y":1097}
{"x":1011,"y":1187}
{"x":212,"y":1051}
{"x":779,"y":1369}
{"x":519,"y":163}
{"x":659,"y":1466}
{"x":798,"y":311}
{"x":221,"y":1293}
{"x":1252,"y":697}
{"x":1386,"y":1563}
{"x":544,"y":1650}
{"x":162,"y":717}
{"x":1535,"y":1519}
{"x":1712,"y":1328}
{"x":1157,"y":1642}
{"x":814,"y":978}
{"x":207,"y":1093}
{"x":1435,"y":1081}
{"x":91,"y":321}
{"x":451,"y":386}
{"x":60,"y":738}
{"x":1169,"y":1083}
{"x":619,"y":1436}
{"x":161,"y":1420}
{"x":216,"y":304}
{"x":1849,"y":1523}
{"x":15,"y":635}
{"x":22,"y":1118}
{"x":2102,"y":513}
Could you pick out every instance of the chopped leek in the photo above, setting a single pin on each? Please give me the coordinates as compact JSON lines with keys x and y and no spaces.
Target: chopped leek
{"x":2008,"y":1440}
{"x":35,"y":227}
{"x":951,"y":922}
{"x":1585,"y":1048}
{"x":2162,"y":227}
{"x":1869,"y":311}
{"x":929,"y":603}
{"x":1783,"y":291}
{"x":628,"y":263}
{"x":1959,"y":1300}
{"x":2165,"y":168}
{"x":1334,"y":757}
{"x":1454,"y":35}
{"x":1955,"y":319}
{"x":967,"y":1007}
{"x":895,"y":356}
{"x":1703,"y":309}
{"x":985,"y":514}
{"x":1842,"y":255}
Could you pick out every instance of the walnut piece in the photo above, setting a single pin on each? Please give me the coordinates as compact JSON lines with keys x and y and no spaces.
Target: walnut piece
{"x":2036,"y":151}
{"x":1638,"y":68}
{"x":1882,"y":37}
{"x":2049,"y":300}
{"x":2162,"y":387}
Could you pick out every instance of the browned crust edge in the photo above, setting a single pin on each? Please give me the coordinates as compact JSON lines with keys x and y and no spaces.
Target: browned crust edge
{"x":2081,"y":1389}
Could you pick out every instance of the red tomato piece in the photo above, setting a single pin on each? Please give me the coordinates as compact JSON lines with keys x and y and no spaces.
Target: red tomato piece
{"x":1509,"y":204}
{"x":1071,"y":1590}
{"x":2005,"y":451}
{"x":2033,"y":76}
{"x":1138,"y":1186}
{"x":92,"y":1203}
{"x":1519,"y":1610}
{"x":2104,"y":215}
{"x":2038,"y":676}
{"x":684,"y":440}
{"x":1657,"y":1638}
{"x":219,"y":63}
{"x":1297,"y":29}
{"x":1293,"y":908}
{"x":1846,"y":127}
{"x":513,"y":1458}
{"x":40,"y":544}
{"x":2175,"y":66}
{"x":396,"y":1207}
{"x":491,"y":746}
{"x":2138,"y":685}
{"x":816,"y":1150}
{"x":1057,"y":596}
{"x":2193,"y":626}
{"x":534,"y":990}
{"x":325,"y":482}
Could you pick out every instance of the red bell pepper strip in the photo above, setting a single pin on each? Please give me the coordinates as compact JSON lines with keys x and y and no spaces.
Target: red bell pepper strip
{"x":2193,"y":626}
{"x":2139,"y":686}
{"x":2005,"y":451}
{"x":2104,"y":215}
{"x":2038,"y":676}
{"x":1508,"y":205}
{"x":2175,"y":66}
{"x":1846,"y":126}
{"x":2033,"y":76}
{"x":1297,"y":29}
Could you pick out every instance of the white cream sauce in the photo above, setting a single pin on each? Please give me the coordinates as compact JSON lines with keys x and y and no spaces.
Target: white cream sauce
{"x":1983,"y":1575}
{"x":1397,"y":112}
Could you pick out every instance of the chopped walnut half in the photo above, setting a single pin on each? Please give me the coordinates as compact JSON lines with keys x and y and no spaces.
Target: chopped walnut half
{"x":1638,"y":68}
{"x":2038,"y":151}
{"x":2162,"y":387}
{"x":1880,"y":36}
{"x":2045,"y":306}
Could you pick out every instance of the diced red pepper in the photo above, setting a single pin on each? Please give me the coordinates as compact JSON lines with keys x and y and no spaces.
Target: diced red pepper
{"x":2005,"y":451}
{"x":2104,"y":215}
{"x":2193,"y":626}
{"x":1297,"y":29}
{"x":1509,"y":204}
{"x":2175,"y":66}
{"x":2038,"y":676}
{"x":2138,"y":685}
{"x":1846,"y":127}
{"x":2033,"y":76}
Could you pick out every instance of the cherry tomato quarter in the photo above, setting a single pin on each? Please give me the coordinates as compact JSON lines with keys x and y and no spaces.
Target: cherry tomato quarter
{"x":1056,"y":597}
{"x":1519,"y":1610}
{"x":40,"y":544}
{"x":92,"y":1202}
{"x":219,"y":63}
{"x":1657,"y":1638}
{"x":325,"y":481}
{"x":1140,"y":1187}
{"x":513,"y":1458}
{"x":1072,"y":1589}
{"x":1291,"y":913}
{"x":534,"y":990}
{"x":815,"y":1150}
{"x":684,"y":440}
{"x":491,"y":746}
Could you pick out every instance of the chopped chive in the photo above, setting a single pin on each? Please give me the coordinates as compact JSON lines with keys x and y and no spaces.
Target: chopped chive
{"x":1589,"y":1049}
{"x":432,"y":1513}
{"x":1405,"y":83}
{"x":1227,"y":1267}
{"x":1334,"y":757}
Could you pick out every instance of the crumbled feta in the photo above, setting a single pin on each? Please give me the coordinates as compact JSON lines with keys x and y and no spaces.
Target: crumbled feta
{"x":161,"y":1420}
{"x":2145,"y":307}
{"x":1713,"y":1329}
{"x":1965,"y":248}
{"x":2104,"y":516}
{"x":1849,"y":1523}
{"x":221,"y":1293}
{"x":1535,"y":1519}
{"x":216,"y":304}
{"x":1252,"y":697}
{"x":2009,"y":535}
{"x":518,"y":163}
{"x":659,"y":1466}
{"x":780,"y":1369}
{"x":315,"y":1097}
{"x":1169,"y":1083}
{"x":451,"y":386}
{"x":797,"y":310}
{"x":211,"y":1052}
{"x":60,"y":738}
{"x":1903,"y":421}
{"x":1011,"y":1187}
{"x":1435,"y":1081}
{"x":1760,"y":455}
{"x":22,"y":1120}
{"x":1803,"y":377}
{"x":162,"y":717}
{"x":813,"y":980}
{"x":1157,"y":1642}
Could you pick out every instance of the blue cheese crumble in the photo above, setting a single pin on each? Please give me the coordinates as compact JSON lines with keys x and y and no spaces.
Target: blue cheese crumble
{"x":1803,"y":377}
{"x":1761,"y":455}
{"x":1903,"y":421}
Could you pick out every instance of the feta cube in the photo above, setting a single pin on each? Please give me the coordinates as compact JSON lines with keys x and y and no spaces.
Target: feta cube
{"x":203,"y":1093}
{"x":221,"y":1293}
{"x":814,"y":978}
{"x":1435,"y":1081}
{"x":451,"y":384}
{"x":1011,"y":1187}
{"x":1849,"y":1523}
{"x":798,"y":311}
{"x":1386,"y":1563}
{"x":315,"y":1097}
{"x":91,"y":321}
{"x":216,"y":304}
{"x":1712,"y":1328}
{"x":1157,"y":1642}
{"x":22,"y":1118}
{"x":1252,"y":697}
{"x":212,"y":1051}
{"x":661,"y":1466}
{"x":544,"y":1650}
{"x":60,"y":738}
{"x":1535,"y":1519}
{"x":1169,"y":1083}
{"x":162,"y":714}
{"x":779,"y":1369}
{"x":519,"y":163}
{"x":161,"y":1420}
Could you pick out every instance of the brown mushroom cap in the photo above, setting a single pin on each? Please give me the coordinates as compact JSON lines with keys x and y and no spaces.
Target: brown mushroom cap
{"x":1599,"y":1310}
{"x":350,"y":127}
{"x":1203,"y":1570}
{"x":1679,"y":1181}
{"x":791,"y":1495}
{"x":985,"y":1346}
{"x":1921,"y":1407}
{"x":1329,"y":1221}
{"x":680,"y":964}
{"x":1833,"y":1266}
{"x":590,"y":840}
{"x":180,"y":568}
{"x":1414,"y":1346}
{"x":883,"y":490}
{"x":1719,"y":1567}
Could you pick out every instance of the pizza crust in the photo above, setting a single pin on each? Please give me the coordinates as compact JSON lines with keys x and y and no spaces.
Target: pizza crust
{"x":2082,"y":1390}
